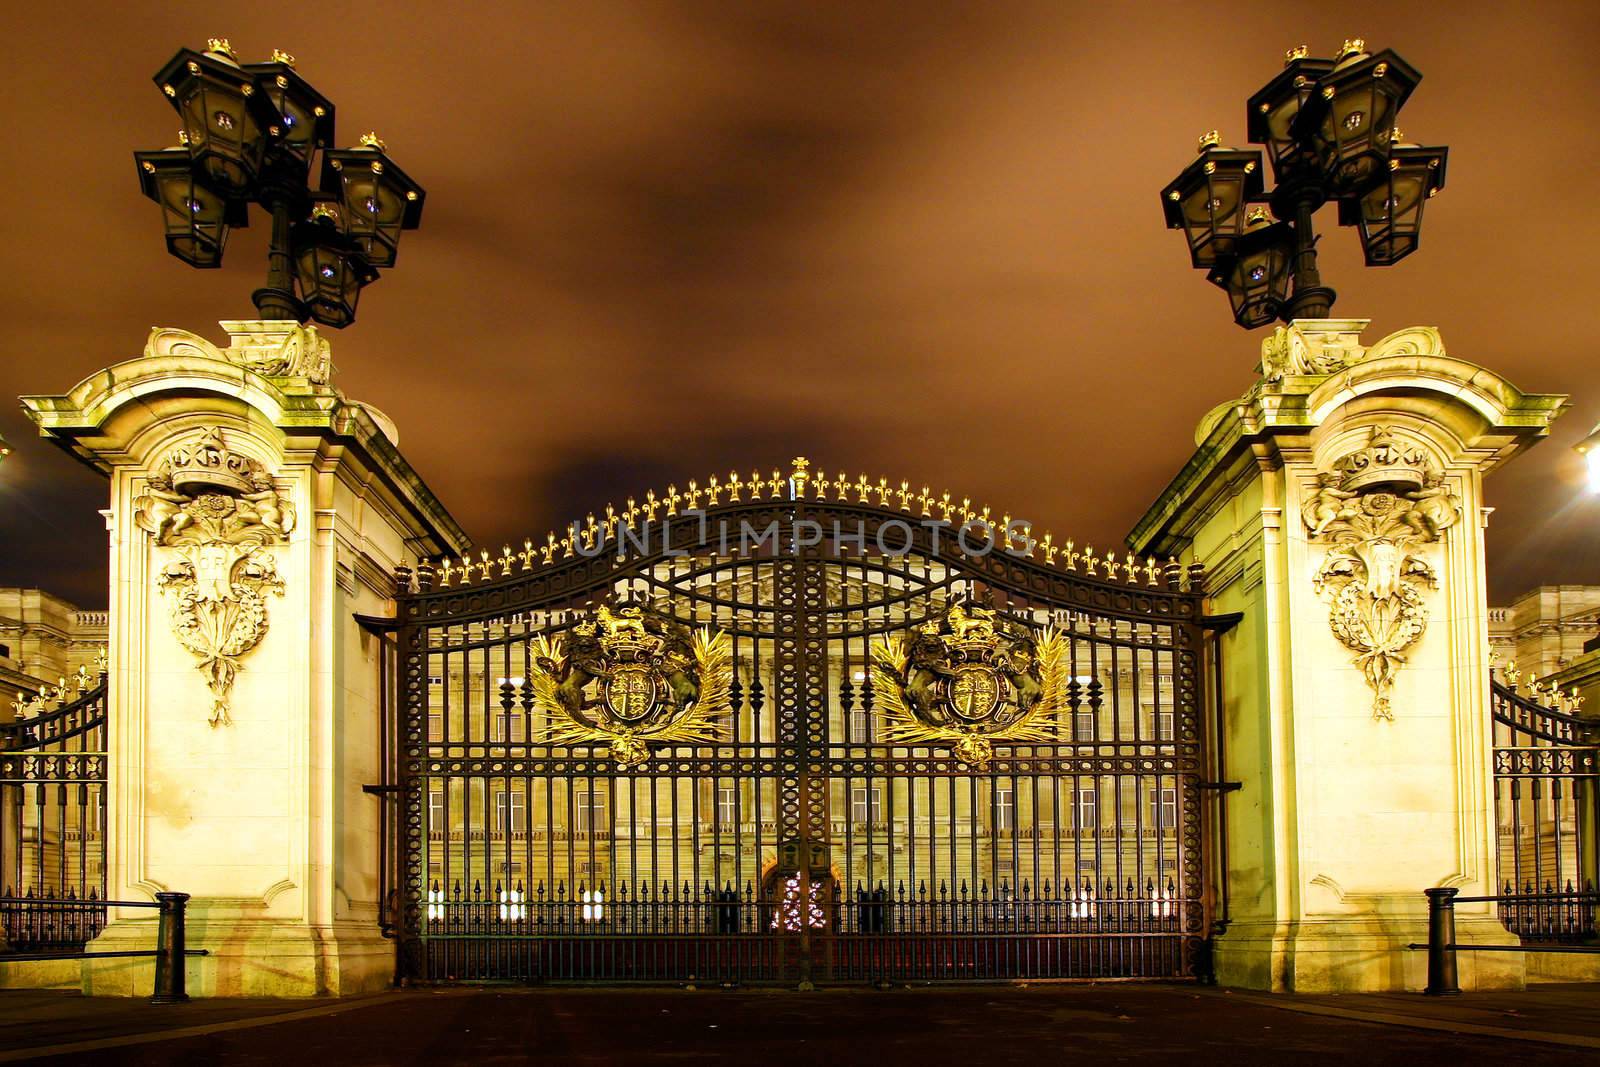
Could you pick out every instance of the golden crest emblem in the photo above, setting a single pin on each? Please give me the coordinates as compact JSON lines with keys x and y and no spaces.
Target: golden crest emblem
{"x":964,"y":683}
{"x":627,"y":680}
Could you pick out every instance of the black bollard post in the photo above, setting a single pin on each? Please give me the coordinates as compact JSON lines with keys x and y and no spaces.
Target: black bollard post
{"x":1442,"y":943}
{"x":170,"y":951}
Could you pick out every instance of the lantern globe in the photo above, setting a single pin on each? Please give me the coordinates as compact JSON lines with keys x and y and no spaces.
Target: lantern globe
{"x":329,"y":268}
{"x":1389,"y":215}
{"x":1256,"y":276}
{"x":221,"y":113}
{"x":1349,"y":122}
{"x":1272,"y":111}
{"x":1207,"y":200}
{"x":377,"y":198}
{"x":301,"y":119}
{"x":196,"y":219}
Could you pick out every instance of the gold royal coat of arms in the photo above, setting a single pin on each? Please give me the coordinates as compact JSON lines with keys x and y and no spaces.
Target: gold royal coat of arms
{"x":963,"y":683}
{"x":626,"y":680}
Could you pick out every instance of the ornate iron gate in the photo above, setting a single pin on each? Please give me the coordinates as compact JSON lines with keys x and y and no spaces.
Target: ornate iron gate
{"x":1545,"y":776}
{"x":53,"y":816}
{"x":794,"y":729}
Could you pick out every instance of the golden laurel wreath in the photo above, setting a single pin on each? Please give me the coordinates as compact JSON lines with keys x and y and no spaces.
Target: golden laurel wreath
{"x":570,"y":719}
{"x":972,"y":740}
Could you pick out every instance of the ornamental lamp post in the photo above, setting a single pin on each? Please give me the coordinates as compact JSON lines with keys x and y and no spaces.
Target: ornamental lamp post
{"x":1328,"y":126}
{"x":251,"y":134}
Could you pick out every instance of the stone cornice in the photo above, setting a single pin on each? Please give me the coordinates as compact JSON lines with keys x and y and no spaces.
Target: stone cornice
{"x":1289,"y":404}
{"x":78,"y":420}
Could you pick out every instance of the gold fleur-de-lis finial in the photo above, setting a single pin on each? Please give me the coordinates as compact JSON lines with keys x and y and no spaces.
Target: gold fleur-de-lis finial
{"x":798,"y":476}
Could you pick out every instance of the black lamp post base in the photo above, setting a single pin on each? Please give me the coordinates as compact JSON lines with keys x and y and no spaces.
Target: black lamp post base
{"x":274,"y":303}
{"x":1311,"y":302}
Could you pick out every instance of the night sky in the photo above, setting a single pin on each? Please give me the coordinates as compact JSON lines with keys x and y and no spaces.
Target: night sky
{"x":923,"y":241}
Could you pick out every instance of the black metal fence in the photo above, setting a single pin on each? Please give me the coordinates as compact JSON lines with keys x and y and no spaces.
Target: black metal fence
{"x":53,"y":816}
{"x":1546,"y":776}
{"x":666,"y":933}
{"x":56,"y":927}
{"x":35,"y":923}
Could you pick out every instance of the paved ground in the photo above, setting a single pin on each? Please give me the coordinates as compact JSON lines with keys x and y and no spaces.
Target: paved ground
{"x":985,"y":1027}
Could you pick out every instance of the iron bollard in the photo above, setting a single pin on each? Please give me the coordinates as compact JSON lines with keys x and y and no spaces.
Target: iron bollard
{"x":170,"y":951}
{"x":1442,"y":943}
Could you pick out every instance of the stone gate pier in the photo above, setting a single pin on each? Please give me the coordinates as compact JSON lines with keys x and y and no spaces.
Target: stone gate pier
{"x":255,"y":512}
{"x":1338,"y":509}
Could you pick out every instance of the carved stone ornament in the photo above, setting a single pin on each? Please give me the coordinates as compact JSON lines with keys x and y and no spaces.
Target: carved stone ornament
{"x":1375,"y":508}
{"x":218,"y":512}
{"x":626,"y":680}
{"x":1328,"y":346}
{"x":964,"y":683}
{"x":275,"y":349}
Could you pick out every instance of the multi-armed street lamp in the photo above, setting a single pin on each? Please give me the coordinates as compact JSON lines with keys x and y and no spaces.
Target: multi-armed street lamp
{"x":1329,"y":127}
{"x":251,"y":133}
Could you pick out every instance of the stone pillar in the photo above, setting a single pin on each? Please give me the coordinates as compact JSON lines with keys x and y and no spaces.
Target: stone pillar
{"x":255,"y":513}
{"x":1338,"y":506}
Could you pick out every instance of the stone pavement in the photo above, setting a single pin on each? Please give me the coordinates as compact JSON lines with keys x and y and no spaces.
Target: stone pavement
{"x":986,"y":1026}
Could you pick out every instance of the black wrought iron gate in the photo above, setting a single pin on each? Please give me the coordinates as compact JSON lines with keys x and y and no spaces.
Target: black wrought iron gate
{"x":793,"y":729}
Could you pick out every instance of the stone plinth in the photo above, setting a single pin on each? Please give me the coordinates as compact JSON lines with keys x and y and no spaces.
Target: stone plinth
{"x":1338,"y":508}
{"x":255,"y":512}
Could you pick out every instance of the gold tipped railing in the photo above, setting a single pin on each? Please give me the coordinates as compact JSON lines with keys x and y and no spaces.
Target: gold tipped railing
{"x":801,"y":483}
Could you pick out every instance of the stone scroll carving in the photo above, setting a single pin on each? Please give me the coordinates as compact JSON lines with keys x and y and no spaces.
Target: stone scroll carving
{"x":218,"y":512}
{"x":1375,"y":508}
{"x":283,"y":350}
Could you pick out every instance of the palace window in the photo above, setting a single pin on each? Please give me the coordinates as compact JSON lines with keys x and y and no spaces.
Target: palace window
{"x":1164,"y":807}
{"x":1084,"y":812}
{"x":866,"y":805}
{"x":510,"y":811}
{"x":727,"y":806}
{"x":588,"y":810}
{"x":436,"y":812}
{"x":1005,"y":808}
{"x":860,"y":726}
{"x":1083,"y":726}
{"x":435,"y":727}
{"x":500,"y":719}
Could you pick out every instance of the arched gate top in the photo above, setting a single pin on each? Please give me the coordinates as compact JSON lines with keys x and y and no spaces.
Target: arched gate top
{"x":592,"y":554}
